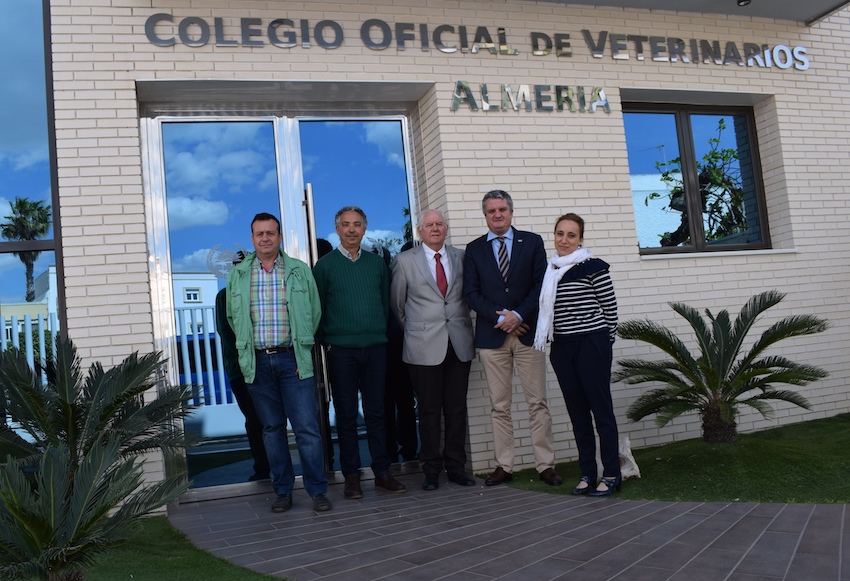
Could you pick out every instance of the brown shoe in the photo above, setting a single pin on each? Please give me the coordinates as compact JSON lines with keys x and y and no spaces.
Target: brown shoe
{"x":387,"y":483}
{"x":550,"y":477}
{"x":499,"y":476}
{"x":352,"y":487}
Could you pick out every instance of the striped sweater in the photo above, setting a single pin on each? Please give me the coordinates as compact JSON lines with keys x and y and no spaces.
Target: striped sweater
{"x":585,"y":300}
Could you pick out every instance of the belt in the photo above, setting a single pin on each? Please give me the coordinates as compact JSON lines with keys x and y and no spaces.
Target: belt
{"x":274,"y":350}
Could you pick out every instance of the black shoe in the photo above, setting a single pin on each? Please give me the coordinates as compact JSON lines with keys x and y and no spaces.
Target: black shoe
{"x":282,"y":503}
{"x":352,"y":487}
{"x":550,"y":477}
{"x":498,"y":476}
{"x":321,"y":503}
{"x":462,"y":478}
{"x":387,"y":483}
{"x":612,"y":484}
{"x":579,"y":490}
{"x":256,"y":477}
{"x":430,"y":482}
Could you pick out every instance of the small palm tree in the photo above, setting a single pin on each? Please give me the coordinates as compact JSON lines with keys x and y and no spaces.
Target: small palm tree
{"x":719,"y":380}
{"x":73,"y":486}
{"x":28,"y":221}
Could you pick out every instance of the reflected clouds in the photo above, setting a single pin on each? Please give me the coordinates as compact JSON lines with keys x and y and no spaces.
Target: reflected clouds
{"x":385,"y":137}
{"x":189,"y":212}
{"x":23,"y":101}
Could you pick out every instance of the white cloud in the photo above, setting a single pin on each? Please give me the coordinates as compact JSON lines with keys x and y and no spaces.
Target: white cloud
{"x":194,"y":262}
{"x":205,"y":157}
{"x":189,"y":212}
{"x":387,"y":137}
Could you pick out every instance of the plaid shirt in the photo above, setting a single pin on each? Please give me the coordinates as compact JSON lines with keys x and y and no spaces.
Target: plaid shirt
{"x":268,"y":306}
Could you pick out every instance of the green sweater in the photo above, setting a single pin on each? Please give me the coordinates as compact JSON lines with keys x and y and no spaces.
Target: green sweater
{"x":355,"y":299}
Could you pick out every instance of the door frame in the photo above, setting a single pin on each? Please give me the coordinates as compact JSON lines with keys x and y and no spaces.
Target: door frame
{"x":294,"y":225}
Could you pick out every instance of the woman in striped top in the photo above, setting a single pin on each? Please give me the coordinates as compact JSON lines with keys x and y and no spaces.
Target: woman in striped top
{"x":578,"y":312}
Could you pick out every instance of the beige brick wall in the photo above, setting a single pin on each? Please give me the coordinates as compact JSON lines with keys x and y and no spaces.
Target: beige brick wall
{"x":550,"y":162}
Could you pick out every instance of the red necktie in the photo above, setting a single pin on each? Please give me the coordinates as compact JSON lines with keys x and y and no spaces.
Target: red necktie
{"x":442,"y":283}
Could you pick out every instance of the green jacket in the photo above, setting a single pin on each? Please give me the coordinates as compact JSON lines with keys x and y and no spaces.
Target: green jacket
{"x":303,"y":309}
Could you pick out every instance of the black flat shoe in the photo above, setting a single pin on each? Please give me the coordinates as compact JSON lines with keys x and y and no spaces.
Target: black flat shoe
{"x":612,"y":484}
{"x":579,"y":490}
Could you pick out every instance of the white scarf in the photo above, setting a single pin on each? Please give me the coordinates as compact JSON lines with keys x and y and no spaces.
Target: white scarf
{"x":556,"y":268}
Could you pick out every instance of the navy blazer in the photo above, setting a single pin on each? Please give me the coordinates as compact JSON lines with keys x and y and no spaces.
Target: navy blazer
{"x":486,"y":292}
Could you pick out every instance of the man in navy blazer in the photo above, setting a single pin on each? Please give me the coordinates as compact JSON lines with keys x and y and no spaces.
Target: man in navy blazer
{"x":502,"y":275}
{"x":426,"y":296}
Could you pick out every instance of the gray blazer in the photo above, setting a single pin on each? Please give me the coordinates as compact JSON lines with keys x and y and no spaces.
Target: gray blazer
{"x":429,"y":320}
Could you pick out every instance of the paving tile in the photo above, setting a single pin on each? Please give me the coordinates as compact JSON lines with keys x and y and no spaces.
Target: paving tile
{"x":708,"y":565}
{"x":812,"y":567}
{"x":483,"y":534}
{"x":770,"y":555}
{"x":643,"y":573}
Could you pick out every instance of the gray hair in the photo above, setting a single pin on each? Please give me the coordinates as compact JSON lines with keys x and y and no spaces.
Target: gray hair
{"x":345,"y":209}
{"x":421,"y":217}
{"x":497,"y":195}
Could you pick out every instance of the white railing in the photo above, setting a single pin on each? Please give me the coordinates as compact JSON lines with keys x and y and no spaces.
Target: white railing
{"x":44,"y":327}
{"x":200,"y":362}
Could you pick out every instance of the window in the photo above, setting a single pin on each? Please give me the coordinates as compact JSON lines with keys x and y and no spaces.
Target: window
{"x":192,"y":295}
{"x":695,"y":177}
{"x":29,"y":257}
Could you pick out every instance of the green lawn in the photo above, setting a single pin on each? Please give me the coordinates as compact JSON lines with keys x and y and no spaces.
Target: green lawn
{"x":804,"y":463}
{"x":159,"y":552}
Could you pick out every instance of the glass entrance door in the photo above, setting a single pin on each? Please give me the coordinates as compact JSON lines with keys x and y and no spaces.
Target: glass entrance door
{"x":211,"y":176}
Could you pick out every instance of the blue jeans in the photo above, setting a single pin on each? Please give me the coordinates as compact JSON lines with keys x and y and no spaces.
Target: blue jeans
{"x":362,"y":369}
{"x":279,"y":394}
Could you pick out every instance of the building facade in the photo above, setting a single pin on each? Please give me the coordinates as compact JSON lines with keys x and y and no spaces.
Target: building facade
{"x":616,"y":114}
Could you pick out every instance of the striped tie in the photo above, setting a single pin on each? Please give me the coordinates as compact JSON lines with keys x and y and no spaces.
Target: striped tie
{"x":503,"y":257}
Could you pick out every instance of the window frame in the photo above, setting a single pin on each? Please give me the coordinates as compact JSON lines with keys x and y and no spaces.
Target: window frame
{"x":682,"y":115}
{"x":193,"y":290}
{"x":53,"y":244}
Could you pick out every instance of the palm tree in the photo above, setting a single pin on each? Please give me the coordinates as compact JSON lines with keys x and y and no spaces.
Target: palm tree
{"x":720,"y":379}
{"x":28,"y":221}
{"x":74,"y":485}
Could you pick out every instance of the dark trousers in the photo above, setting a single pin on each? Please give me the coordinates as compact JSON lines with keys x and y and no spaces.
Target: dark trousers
{"x":441,"y":394}
{"x":582,"y":364}
{"x":253,"y":426}
{"x":399,"y":407}
{"x":360,"y":370}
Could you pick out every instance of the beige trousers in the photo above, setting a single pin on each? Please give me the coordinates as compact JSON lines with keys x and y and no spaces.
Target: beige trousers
{"x":531,"y":368}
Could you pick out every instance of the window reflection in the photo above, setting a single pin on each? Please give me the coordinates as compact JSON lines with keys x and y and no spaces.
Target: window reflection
{"x":729,"y":206}
{"x":653,"y":147}
{"x":693,"y":178}
{"x":24,"y":151}
{"x":20,"y":317}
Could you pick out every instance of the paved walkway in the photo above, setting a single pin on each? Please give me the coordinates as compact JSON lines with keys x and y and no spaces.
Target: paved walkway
{"x":480,"y":533}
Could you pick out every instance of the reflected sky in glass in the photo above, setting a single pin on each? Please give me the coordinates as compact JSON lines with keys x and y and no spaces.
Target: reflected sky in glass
{"x":24,"y":153}
{"x":220,"y":174}
{"x":651,"y":138}
{"x":358,"y":163}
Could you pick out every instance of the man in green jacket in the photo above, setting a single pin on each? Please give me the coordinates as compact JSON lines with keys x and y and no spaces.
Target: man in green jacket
{"x":274,"y":310}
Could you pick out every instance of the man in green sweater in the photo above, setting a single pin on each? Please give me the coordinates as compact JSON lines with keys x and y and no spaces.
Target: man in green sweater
{"x":354,"y":290}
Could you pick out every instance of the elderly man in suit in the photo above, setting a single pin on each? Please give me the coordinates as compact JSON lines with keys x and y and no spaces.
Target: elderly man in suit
{"x":426,"y":296}
{"x":502,"y":275}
